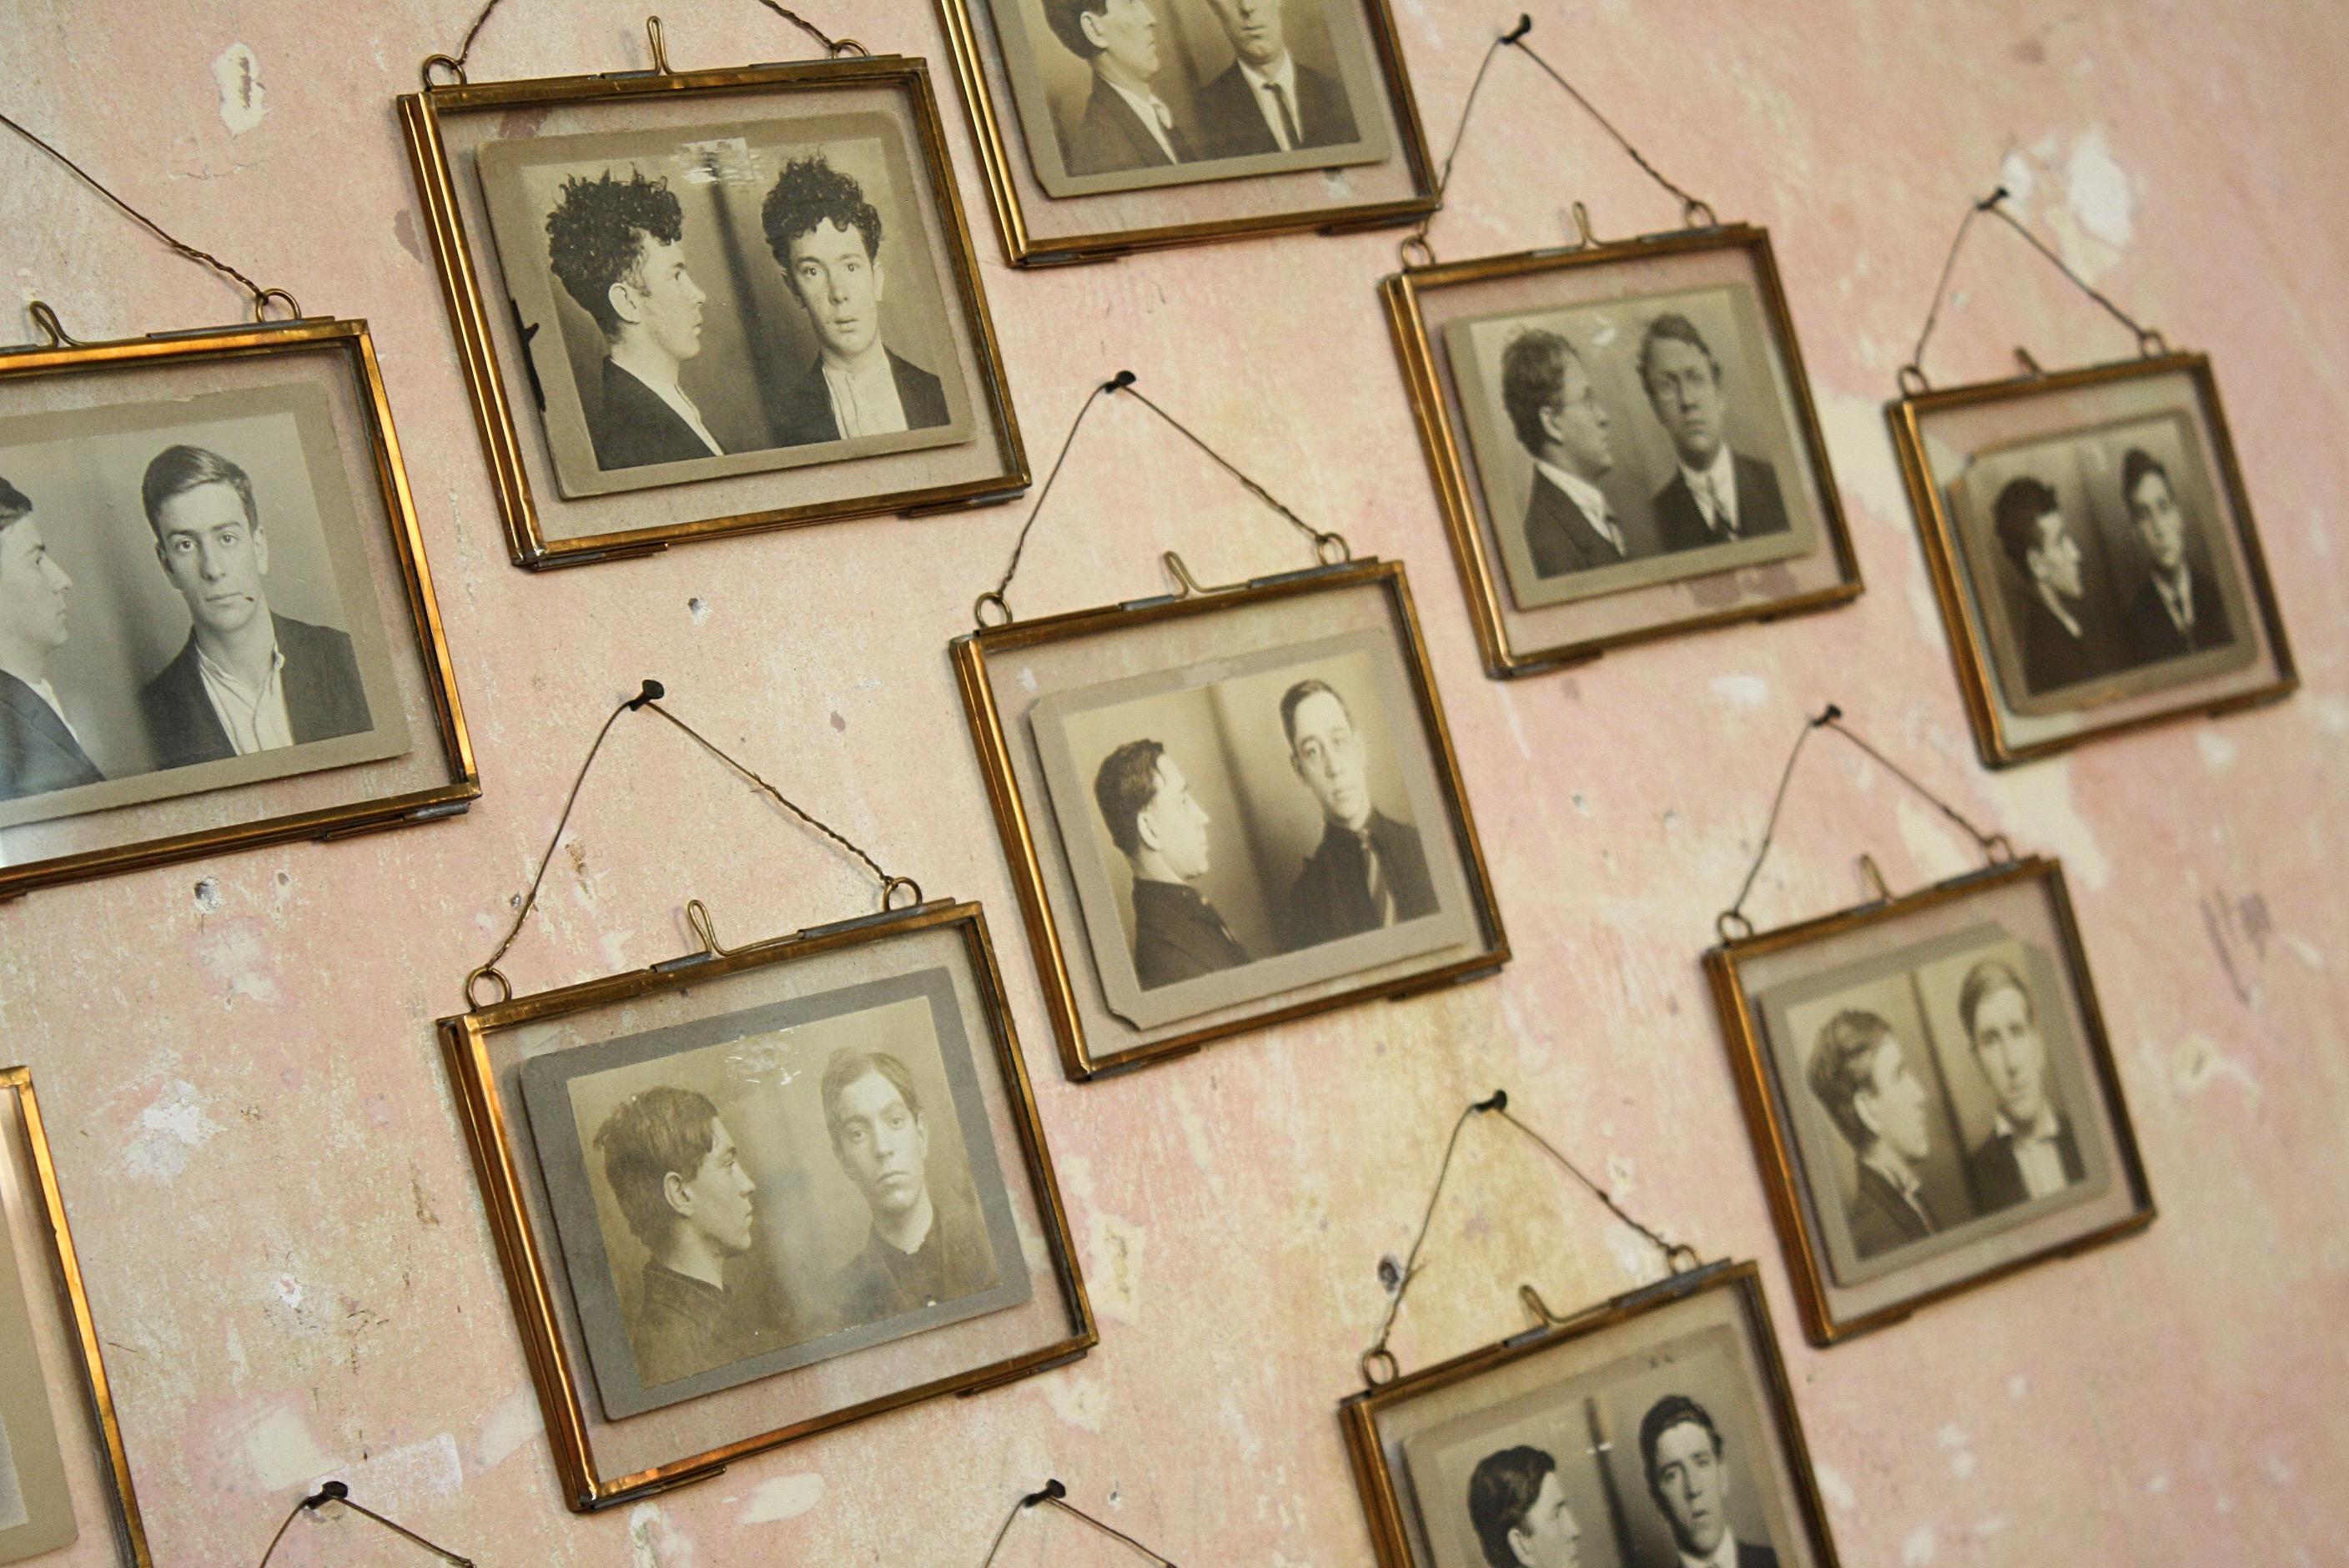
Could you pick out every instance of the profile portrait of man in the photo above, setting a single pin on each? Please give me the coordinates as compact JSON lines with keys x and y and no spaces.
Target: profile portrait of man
{"x":679,"y":1180}
{"x":1718,"y":494}
{"x":1264,"y":100}
{"x":2057,"y":647}
{"x":2032,"y":1150}
{"x":1517,"y":1507}
{"x":1689,"y":1477}
{"x":1369,"y":870}
{"x":248,"y":679}
{"x":826,"y":237}
{"x":2176,"y":610}
{"x":1859,"y":1073}
{"x":925,"y":1246}
{"x":39,"y":751}
{"x":618,"y":249}
{"x":1556,"y":413}
{"x":1123,"y":124}
{"x":1161,"y":831}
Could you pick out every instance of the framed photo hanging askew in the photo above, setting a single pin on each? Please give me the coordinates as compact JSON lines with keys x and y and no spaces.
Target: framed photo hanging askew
{"x":692,"y":303}
{"x":1112,"y":126}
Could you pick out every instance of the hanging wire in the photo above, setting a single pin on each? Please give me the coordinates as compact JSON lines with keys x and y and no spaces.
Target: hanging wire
{"x":995,"y":595}
{"x":1678,"y":1257}
{"x":1055,"y":1495}
{"x":335,"y":1491}
{"x":1732,"y":924}
{"x":832,"y":46}
{"x":455,"y":64}
{"x":2149,"y":342}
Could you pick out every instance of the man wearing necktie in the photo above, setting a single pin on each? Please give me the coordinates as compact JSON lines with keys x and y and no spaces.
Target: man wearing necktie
{"x":1547,"y":391}
{"x":1718,"y":496}
{"x":2032,"y":1151}
{"x":2176,"y":610}
{"x":1124,"y":124}
{"x":1859,"y":1073}
{"x":1265,"y":101}
{"x":1369,"y":870}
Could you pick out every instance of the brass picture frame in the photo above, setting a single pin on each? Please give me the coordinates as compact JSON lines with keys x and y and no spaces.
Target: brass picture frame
{"x":1511,"y":650}
{"x":499,"y":388}
{"x":1017,"y":197}
{"x":1793,"y":1141}
{"x":71,"y":1298}
{"x":529,"y":1252}
{"x":1982,"y":645}
{"x":429,"y":714}
{"x":1027,"y":825}
{"x":1393,"y":1503}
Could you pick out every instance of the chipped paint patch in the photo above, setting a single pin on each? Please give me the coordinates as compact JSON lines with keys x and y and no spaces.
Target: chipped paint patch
{"x":2197,"y":1063}
{"x":2098,"y":191}
{"x":279,"y":1451}
{"x":1078,"y":1401}
{"x":1954,"y":1442}
{"x":1742,"y":691}
{"x":1920,"y":1548}
{"x":242,"y":103}
{"x":2018,"y":1388}
{"x":654,"y":1543}
{"x":2218,"y":753}
{"x":2037,"y":803}
{"x":697,"y":608}
{"x":785,"y":1497}
{"x":174,"y":1125}
{"x":1835,"y":1490}
{"x":512,"y":1422}
{"x":2306,"y":952}
{"x":1114,"y":1274}
{"x":429,"y":1468}
{"x":231,"y":954}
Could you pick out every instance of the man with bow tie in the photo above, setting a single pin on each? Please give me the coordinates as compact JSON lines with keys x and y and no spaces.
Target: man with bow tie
{"x":1124,"y":125}
{"x":1719,"y":495}
{"x":1547,"y":392}
{"x":2033,"y":1151}
{"x":1369,"y":870}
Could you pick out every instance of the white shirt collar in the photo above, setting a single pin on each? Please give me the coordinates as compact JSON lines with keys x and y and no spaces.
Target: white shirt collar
{"x":1588,"y":497}
{"x":48,"y":694}
{"x":1285,"y":79}
{"x":2049,"y":1125}
{"x":865,"y":401}
{"x":1723,"y":1555}
{"x":1716,"y":477}
{"x":1155,"y":117}
{"x":254,"y":718}
{"x":2054,"y":602}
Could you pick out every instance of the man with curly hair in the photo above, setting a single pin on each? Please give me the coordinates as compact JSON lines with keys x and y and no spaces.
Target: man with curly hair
{"x":827,"y":239}
{"x":617,"y":248}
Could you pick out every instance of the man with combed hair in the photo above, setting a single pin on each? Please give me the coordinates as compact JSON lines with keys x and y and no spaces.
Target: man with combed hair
{"x":1161,"y":831}
{"x":679,"y":1182}
{"x":1689,"y":1477}
{"x":926,"y":1246}
{"x":827,"y":239}
{"x":247,"y":680}
{"x":618,"y":249}
{"x":1718,"y":495}
{"x":1860,"y":1074}
{"x":1557,"y":418}
{"x":2032,"y":1151}
{"x":2057,"y":647}
{"x":1266,"y":101}
{"x":1369,"y":870}
{"x":39,"y":751}
{"x":2176,"y":610}
{"x":1123,"y":124}
{"x":1516,"y":1504}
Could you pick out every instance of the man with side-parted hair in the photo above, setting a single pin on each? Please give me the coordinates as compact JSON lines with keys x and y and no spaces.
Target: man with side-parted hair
{"x":1123,"y":124}
{"x":827,"y":239}
{"x":2057,"y":646}
{"x":1859,"y":1072}
{"x":1161,"y":831}
{"x":1689,"y":1477}
{"x":1556,"y":413}
{"x":40,"y":751}
{"x":247,"y":680}
{"x":2176,"y":610}
{"x":1718,"y":495}
{"x":1517,"y":1506}
{"x":618,"y":249}
{"x":926,"y":1244}
{"x":2033,"y":1151}
{"x":1369,"y":870}
{"x":1267,"y":101}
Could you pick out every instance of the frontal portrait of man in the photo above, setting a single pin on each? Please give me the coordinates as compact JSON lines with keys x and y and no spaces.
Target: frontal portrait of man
{"x":1718,"y":494}
{"x":1161,"y":831}
{"x":1123,"y":124}
{"x":40,"y":751}
{"x":617,"y":248}
{"x":1689,"y":1477}
{"x":1557,"y":418}
{"x":248,"y":680}
{"x":926,"y":1244}
{"x":1369,"y":870}
{"x":2054,"y":641}
{"x":2175,"y":610}
{"x":2033,"y":1151}
{"x":1266,"y":101}
{"x":1859,"y":1073}
{"x":827,"y":236}
{"x":1517,"y":1506}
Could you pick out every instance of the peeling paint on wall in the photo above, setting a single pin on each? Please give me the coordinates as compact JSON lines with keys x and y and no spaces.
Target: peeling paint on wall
{"x":242,"y":103}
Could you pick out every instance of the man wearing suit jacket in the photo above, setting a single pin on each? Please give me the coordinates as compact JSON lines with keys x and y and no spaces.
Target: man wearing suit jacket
{"x":1265,"y":101}
{"x":247,"y":680}
{"x":1860,"y":1074}
{"x":1689,"y":1477}
{"x":1123,"y":125}
{"x":617,"y":248}
{"x":2033,"y":1151}
{"x":1518,"y":1508}
{"x":1369,"y":870}
{"x":2176,"y":610}
{"x":1162,"y":832}
{"x":827,"y":239}
{"x":2058,"y":647}
{"x":1547,"y":391}
{"x":39,"y":751}
{"x":1718,"y":495}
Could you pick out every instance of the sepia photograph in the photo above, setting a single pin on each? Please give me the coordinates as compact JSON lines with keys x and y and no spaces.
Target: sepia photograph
{"x":757,"y":1192}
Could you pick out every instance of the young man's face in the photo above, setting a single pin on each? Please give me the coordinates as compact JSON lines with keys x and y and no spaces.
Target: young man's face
{"x":1127,"y":33}
{"x":215,"y":554}
{"x":1549,"y":1537}
{"x":661,"y":296}
{"x":1254,"y":28}
{"x":2160,"y":526}
{"x":2012,"y":1056}
{"x":1175,"y":824}
{"x":2056,"y":560}
{"x":32,"y":589}
{"x":1895,"y":1105}
{"x":1580,"y":426}
{"x":882,"y":1145}
{"x":1690,"y":1484}
{"x":841,"y":286}
{"x":1685,"y":391}
{"x":717,"y":1200}
{"x":1327,"y":753}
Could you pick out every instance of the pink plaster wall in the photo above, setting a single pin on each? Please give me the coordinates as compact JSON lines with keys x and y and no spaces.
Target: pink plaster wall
{"x":284,"y":1246}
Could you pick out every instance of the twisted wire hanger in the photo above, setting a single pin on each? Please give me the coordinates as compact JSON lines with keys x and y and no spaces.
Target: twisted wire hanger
{"x":1055,"y":1495}
{"x":454,"y":65}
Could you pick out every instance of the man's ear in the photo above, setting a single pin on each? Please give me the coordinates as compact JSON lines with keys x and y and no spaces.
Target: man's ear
{"x":623,"y":301}
{"x":880,"y":281}
{"x":261,"y":550}
{"x":1863,"y":1107}
{"x":1145,"y":829}
{"x":1518,"y":1547}
{"x":1089,"y":23}
{"x":1553,"y":423}
{"x":674,"y":1192}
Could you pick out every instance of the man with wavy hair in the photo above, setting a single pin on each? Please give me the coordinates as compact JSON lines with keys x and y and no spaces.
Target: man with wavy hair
{"x":827,"y":239}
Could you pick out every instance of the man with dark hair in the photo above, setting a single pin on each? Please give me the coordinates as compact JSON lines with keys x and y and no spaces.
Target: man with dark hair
{"x":1688,"y":1477}
{"x":1161,"y":831}
{"x":39,"y":751}
{"x":618,"y":249}
{"x":247,"y":680}
{"x":2176,"y":610}
{"x":1557,"y":418}
{"x":1123,"y":125}
{"x":1517,"y":1507}
{"x":925,"y":1246}
{"x":827,"y":239}
{"x":1266,"y":101}
{"x":1718,"y":495}
{"x":1859,"y":1072}
{"x":2057,"y":650}
{"x":680,"y":1183}
{"x":1369,"y":870}
{"x":2032,"y":1150}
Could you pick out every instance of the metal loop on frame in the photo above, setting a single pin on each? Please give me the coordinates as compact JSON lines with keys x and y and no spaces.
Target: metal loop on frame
{"x":45,"y":316}
{"x":659,"y":44}
{"x":889,"y":893}
{"x":261,"y":301}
